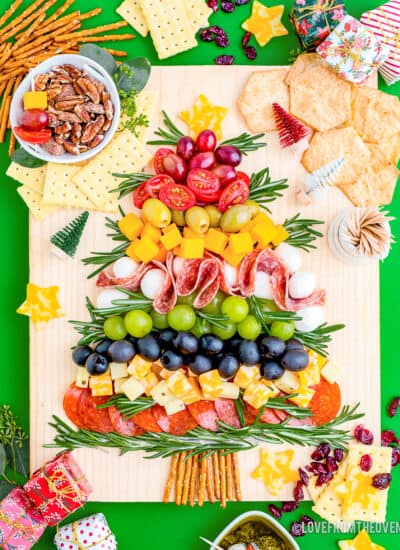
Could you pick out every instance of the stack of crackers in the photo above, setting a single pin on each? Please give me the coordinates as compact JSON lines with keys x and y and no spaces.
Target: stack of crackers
{"x":85,"y":185}
{"x":360,"y":123}
{"x":172,"y":24}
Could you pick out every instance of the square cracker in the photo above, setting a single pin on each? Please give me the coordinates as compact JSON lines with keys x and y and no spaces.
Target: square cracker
{"x":376,"y":183}
{"x":131,"y":11}
{"x":34,"y":202}
{"x":33,"y":178}
{"x":327,"y":146}
{"x":198,"y":13}
{"x":262,"y":89}
{"x":124,"y":154}
{"x":329,"y":504}
{"x":59,"y":188}
{"x":170,"y":28}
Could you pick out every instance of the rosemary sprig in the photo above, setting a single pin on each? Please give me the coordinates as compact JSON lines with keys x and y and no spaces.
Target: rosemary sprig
{"x":126,"y":407}
{"x":169,"y":136}
{"x":302,"y":232}
{"x":261,"y":310}
{"x":134,"y":300}
{"x":214,"y":319}
{"x":263,"y":190}
{"x":246,"y":143}
{"x":239,"y":404}
{"x":92,"y":331}
{"x":130,"y":183}
{"x":199,"y":440}
{"x":318,"y":339}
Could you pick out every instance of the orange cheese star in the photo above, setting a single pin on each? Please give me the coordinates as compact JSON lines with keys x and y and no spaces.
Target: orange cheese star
{"x":360,"y":542}
{"x":204,"y":116}
{"x":41,"y":304}
{"x":265,"y":23}
{"x":275,"y":469}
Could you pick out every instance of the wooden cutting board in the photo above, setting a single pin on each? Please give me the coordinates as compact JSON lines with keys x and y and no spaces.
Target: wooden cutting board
{"x":352,"y":298}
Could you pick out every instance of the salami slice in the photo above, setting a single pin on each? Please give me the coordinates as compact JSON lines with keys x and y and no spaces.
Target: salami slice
{"x":282,"y":415}
{"x":161,"y":417}
{"x":269,"y":416}
{"x":226,"y":411}
{"x":201,"y":276}
{"x":166,"y":299}
{"x":205,"y":414}
{"x":129,"y":283}
{"x":224,"y":284}
{"x":301,"y":421}
{"x":94,"y":419}
{"x":181,"y":423}
{"x":71,"y":402}
{"x":146,"y":420}
{"x":187,"y":277}
{"x":122,"y":425}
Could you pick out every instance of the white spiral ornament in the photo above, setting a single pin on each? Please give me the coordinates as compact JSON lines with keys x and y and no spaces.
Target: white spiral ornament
{"x":319,"y":180}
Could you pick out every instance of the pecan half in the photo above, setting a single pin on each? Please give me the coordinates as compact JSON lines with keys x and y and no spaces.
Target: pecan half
{"x":89,"y":88}
{"x":96,"y":141}
{"x":108,"y":106}
{"x":96,"y":108}
{"x":76,"y":130}
{"x":68,"y":103}
{"x":92,"y":129}
{"x":41,"y":81}
{"x":71,"y":148}
{"x":53,"y":148}
{"x":82,"y":113}
{"x":71,"y":70}
{"x":63,"y":128}
{"x":107,"y":125}
{"x":65,"y":116}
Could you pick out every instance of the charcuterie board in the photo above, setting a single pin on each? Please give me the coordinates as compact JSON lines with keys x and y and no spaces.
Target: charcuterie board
{"x":352,"y":298}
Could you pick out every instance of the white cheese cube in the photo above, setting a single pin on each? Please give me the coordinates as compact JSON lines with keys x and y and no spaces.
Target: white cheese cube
{"x":331,"y":372}
{"x":119,"y":383}
{"x":288,"y":383}
{"x":230,"y":390}
{"x":118,"y":370}
{"x":132,"y":389}
{"x":174,"y":405}
{"x":82,"y":377}
{"x":303,"y":398}
{"x":161,"y":393}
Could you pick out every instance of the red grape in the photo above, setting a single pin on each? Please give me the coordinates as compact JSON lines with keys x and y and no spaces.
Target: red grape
{"x":186,"y":148}
{"x":203,"y":160}
{"x":206,"y":141}
{"x":34,"y":119}
{"x":225,"y":173}
{"x":228,"y":154}
{"x":175,"y":167}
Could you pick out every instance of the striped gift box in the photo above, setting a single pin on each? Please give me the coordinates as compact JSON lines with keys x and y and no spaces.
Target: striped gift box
{"x":384,"y":22}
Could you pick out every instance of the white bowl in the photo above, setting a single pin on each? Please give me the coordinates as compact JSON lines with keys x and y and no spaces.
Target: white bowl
{"x":264,"y":518}
{"x":94,"y":70}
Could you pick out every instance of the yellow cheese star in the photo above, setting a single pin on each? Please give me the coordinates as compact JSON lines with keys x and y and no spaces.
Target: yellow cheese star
{"x":275,"y":469}
{"x":360,"y":542}
{"x":265,"y":23}
{"x":41,"y":304}
{"x":204,"y":116}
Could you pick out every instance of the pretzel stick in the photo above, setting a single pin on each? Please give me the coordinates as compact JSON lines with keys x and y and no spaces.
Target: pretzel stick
{"x":60,"y":11}
{"x":48,"y":27}
{"x":236,"y":477}
{"x":27,"y":20}
{"x":90,"y":14}
{"x":202,"y":482}
{"x":217,"y":484}
{"x":33,"y":51}
{"x":11,"y":147}
{"x":229,"y":477}
{"x":42,"y":39}
{"x":171,"y":477}
{"x":222,"y":468}
{"x":5,"y":108}
{"x":116,"y":53}
{"x":186,"y":481}
{"x":193,"y":481}
{"x":179,"y":478}
{"x":210,"y":489}
{"x":6,"y":54}
{"x":105,"y":38}
{"x":11,"y":10}
{"x":24,"y":35}
{"x":96,"y":30}
{"x":22,"y":16}
{"x":2,"y":86}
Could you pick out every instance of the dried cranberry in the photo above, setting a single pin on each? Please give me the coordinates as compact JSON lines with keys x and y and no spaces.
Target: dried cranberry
{"x":331,"y":464}
{"x":241,"y":2}
{"x":363,"y":435}
{"x":275,"y":511}
{"x":387,"y":437}
{"x":338,"y":455}
{"x":366,"y":463}
{"x":227,"y":6}
{"x":222,"y":41}
{"x":297,"y":529}
{"x":298,"y":493}
{"x":395,"y":456}
{"x":289,"y":506}
{"x":323,"y":478}
{"x":317,"y":468}
{"x":306,"y":520}
{"x":321,"y":452}
{"x":303,"y":477}
{"x":393,"y":407}
{"x":224,"y":60}
{"x":251,"y":53}
{"x":218,"y":31}
{"x":213,"y":4}
{"x":246,"y":39}
{"x":206,"y":35}
{"x":381,"y":481}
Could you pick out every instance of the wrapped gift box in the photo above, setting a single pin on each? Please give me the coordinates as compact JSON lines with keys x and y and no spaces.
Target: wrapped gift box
{"x":58,"y":489}
{"x":384,"y":23}
{"x":92,"y":532}
{"x":20,"y":525}
{"x":314,"y":20}
{"x":353,"y":51}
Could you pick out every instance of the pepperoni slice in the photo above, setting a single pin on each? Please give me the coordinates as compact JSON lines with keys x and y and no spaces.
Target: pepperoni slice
{"x":181,"y":423}
{"x":123,"y":425}
{"x":161,"y":417}
{"x":282,"y":415}
{"x":146,"y":420}
{"x":269,"y":417}
{"x":226,"y":411}
{"x":325,"y":403}
{"x":205,"y":414}
{"x":250,"y":414}
{"x":71,"y":402}
{"x":94,"y":419}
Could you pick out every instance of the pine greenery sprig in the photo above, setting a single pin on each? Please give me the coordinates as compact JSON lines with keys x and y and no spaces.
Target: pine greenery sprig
{"x":263,"y":190}
{"x":68,"y":238}
{"x":130,"y":183}
{"x":246,"y":143}
{"x":12,"y":441}
{"x":301,"y":232}
{"x":126,"y":407}
{"x":169,"y":136}
{"x":318,"y":339}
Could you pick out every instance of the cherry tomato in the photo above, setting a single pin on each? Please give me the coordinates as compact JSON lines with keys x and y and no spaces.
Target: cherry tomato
{"x":174,"y":166}
{"x":140,"y":195}
{"x":32,"y":136}
{"x":157,"y":160}
{"x":244,"y":177}
{"x":206,"y":141}
{"x":204,"y":184}
{"x":153,"y":185}
{"x":235,"y":192}
{"x":177,"y":197}
{"x":34,"y":119}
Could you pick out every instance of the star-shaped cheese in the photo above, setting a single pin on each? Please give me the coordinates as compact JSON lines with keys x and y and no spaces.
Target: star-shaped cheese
{"x":204,"y":116}
{"x":360,"y":542}
{"x":275,"y":469}
{"x":41,"y":304}
{"x":265,"y":23}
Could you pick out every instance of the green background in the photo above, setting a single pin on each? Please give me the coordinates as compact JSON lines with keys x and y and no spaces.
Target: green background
{"x":156,"y":526}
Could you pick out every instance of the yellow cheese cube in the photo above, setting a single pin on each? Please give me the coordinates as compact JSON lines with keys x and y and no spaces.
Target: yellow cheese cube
{"x":303,"y":398}
{"x":118,"y":384}
{"x":118,"y":370}
{"x":331,"y":372}
{"x":317,"y":358}
{"x":165,"y":374}
{"x":132,"y":389}
{"x":216,"y":241}
{"x":131,"y":226}
{"x":310,"y":376}
{"x":230,"y":390}
{"x":171,"y":238}
{"x":139,"y":367}
{"x":274,"y":392}
{"x":192,"y":248}
{"x":35,"y":100}
{"x":144,"y":249}
{"x":211,"y":384}
{"x":231,"y":258}
{"x":280,"y":235}
{"x":101,"y":385}
{"x":246,"y":375}
{"x":183,"y":388}
{"x":256,"y":394}
{"x":82,"y":377}
{"x":247,"y":227}
{"x":149,"y":382}
{"x":189,"y":233}
{"x":241,"y":243}
{"x":151,"y":232}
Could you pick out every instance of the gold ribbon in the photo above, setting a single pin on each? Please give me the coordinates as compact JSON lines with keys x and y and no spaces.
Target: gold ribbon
{"x":26,"y":530}
{"x":78,"y":543}
{"x":70,"y":492}
{"x":321,"y":7}
{"x":347,"y":48}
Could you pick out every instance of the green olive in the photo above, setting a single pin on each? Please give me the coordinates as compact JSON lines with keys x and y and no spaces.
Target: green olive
{"x":214,"y":213}
{"x":197,"y":219}
{"x":235,"y":218}
{"x":156,"y":212}
{"x":178,"y":217}
{"x":255,"y":207}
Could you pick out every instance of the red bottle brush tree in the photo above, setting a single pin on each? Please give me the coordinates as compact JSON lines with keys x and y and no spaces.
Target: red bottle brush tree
{"x":290,"y":129}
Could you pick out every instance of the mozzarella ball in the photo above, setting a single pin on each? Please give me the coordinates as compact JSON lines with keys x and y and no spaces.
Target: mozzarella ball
{"x":262,"y":286}
{"x":311,"y":318}
{"x":231,"y":274}
{"x":124,"y":267}
{"x":105,"y":298}
{"x":302,"y":284}
{"x":290,"y":256}
{"x":178,"y":264}
{"x":152,"y":283}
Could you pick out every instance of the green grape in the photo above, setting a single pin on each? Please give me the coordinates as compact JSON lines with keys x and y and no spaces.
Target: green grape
{"x":201,"y":327}
{"x":160,"y":320}
{"x":282,"y":329}
{"x":225,"y":333}
{"x":214,"y":307}
{"x":249,"y":328}
{"x":138,"y":323}
{"x":182,"y":318}
{"x":187,"y":300}
{"x":114,"y":328}
{"x":236,"y":308}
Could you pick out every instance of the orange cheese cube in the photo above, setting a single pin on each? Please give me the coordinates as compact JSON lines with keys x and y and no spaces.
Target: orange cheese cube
{"x":280,"y":235}
{"x":231,"y":258}
{"x":241,"y":243}
{"x":215,"y":241}
{"x":151,"y":232}
{"x":183,"y":388}
{"x":162,"y":254}
{"x":192,"y":248}
{"x":145,"y":249}
{"x":189,"y":233}
{"x":149,"y":382}
{"x":256,"y":394}
{"x":101,"y":385}
{"x":211,"y":384}
{"x":139,"y":367}
{"x":246,"y":375}
{"x":35,"y":100}
{"x":131,"y":226}
{"x":171,"y":238}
